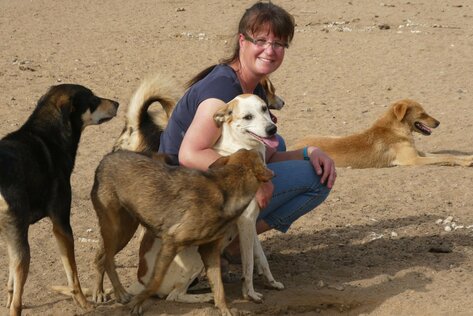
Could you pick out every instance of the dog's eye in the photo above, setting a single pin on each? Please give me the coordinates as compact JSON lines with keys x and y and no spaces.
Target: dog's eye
{"x":248,"y":117}
{"x":264,"y":108}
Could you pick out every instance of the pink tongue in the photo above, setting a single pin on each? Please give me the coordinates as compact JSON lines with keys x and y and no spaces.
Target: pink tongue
{"x":271,"y":142}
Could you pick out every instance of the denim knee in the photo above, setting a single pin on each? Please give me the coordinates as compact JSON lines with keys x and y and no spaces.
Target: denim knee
{"x":296,"y":200}
{"x":314,"y":197}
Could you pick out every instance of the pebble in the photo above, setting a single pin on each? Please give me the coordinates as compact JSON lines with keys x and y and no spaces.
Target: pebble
{"x":449,"y":219}
{"x":337,"y":287}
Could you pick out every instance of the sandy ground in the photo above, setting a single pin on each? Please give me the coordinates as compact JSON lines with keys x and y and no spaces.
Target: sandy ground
{"x":368,"y":249}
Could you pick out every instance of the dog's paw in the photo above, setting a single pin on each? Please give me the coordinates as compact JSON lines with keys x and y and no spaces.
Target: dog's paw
{"x":87,"y":306}
{"x":124,"y":298}
{"x":253,"y":296}
{"x":9,"y":298}
{"x":99,"y":297}
{"x":276,"y":285}
{"x":136,"y":308}
{"x":226,"y":312}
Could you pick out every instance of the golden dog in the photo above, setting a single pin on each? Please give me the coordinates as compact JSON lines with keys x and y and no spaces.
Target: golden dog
{"x":388,"y":142}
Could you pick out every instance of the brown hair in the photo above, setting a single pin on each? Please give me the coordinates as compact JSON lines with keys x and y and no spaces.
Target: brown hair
{"x":259,"y":16}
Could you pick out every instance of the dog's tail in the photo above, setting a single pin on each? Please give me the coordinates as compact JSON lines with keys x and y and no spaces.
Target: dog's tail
{"x":143,"y":127}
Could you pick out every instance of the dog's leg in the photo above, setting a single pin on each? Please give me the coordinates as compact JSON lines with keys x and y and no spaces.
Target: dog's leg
{"x":411,"y":157}
{"x":185,"y":268}
{"x":165,"y":256}
{"x":148,"y":252}
{"x":189,"y":271}
{"x":63,"y":232}
{"x":263,"y":265}
{"x":210,"y":254}
{"x":444,"y":159}
{"x":116,"y":233}
{"x":19,"y":263}
{"x":247,"y":232}
{"x":98,"y":294}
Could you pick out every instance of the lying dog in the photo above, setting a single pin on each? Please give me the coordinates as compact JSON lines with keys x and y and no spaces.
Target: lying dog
{"x":389,"y":142}
{"x":180,"y":206}
{"x":36,"y":163}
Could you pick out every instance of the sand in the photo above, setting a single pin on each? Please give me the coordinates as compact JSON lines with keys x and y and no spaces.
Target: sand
{"x":372,"y":248}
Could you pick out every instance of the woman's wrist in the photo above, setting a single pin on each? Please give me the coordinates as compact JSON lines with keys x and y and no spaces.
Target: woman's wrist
{"x":307,"y":152}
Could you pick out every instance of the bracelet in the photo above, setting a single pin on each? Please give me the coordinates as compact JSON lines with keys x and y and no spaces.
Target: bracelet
{"x":305,"y":153}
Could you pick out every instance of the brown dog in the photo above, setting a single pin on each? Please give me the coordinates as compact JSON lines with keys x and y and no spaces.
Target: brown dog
{"x":36,"y":163}
{"x":389,"y":142}
{"x":181,"y":206}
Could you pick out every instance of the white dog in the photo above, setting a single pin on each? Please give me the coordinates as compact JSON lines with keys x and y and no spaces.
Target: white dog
{"x":245,"y":123}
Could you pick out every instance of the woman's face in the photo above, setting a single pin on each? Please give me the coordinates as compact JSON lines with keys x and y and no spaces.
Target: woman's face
{"x":262,"y":52}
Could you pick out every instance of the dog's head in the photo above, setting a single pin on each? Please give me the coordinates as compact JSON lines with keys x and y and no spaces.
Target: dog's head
{"x":274,"y":102}
{"x":413,"y":115}
{"x":248,"y":120}
{"x":250,"y":160}
{"x":78,"y":105}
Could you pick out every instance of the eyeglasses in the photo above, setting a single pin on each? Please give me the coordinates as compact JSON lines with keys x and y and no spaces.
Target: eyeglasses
{"x":277,"y":46}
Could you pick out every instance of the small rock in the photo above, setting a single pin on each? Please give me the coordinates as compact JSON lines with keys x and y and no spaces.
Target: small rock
{"x":449,"y":219}
{"x":337,"y":287}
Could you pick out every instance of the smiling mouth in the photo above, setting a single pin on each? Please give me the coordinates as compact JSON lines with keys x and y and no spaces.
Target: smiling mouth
{"x":422,"y":128}
{"x":271,"y":142}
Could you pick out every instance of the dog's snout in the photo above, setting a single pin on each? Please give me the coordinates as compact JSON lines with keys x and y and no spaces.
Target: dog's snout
{"x":271,"y":129}
{"x":115,"y":104}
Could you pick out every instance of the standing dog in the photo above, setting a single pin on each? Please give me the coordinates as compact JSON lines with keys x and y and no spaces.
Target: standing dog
{"x":388,"y":142}
{"x":36,"y":163}
{"x":180,"y":206}
{"x":241,"y":134}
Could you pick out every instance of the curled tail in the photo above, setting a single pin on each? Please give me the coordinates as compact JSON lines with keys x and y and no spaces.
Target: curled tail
{"x":143,"y":128}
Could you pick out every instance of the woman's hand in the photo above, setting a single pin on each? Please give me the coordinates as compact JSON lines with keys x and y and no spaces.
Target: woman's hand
{"x":323,"y":165}
{"x":264,"y":194}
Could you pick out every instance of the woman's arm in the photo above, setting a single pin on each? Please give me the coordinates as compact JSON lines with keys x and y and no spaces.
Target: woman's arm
{"x":324,"y":166}
{"x":196,"y":148}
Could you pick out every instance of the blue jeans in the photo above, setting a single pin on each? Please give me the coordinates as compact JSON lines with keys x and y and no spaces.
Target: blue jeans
{"x":297,"y":191}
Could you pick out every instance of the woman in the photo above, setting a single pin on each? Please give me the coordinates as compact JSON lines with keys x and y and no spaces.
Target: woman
{"x":303,"y":177}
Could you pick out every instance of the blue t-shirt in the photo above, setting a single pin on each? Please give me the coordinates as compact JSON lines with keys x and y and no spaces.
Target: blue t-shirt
{"x":221,"y":83}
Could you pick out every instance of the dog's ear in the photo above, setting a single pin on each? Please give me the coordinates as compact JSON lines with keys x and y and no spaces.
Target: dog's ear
{"x":224,"y":112}
{"x":220,"y":162}
{"x":400,"y":110}
{"x":219,"y":116}
{"x":264,"y":174}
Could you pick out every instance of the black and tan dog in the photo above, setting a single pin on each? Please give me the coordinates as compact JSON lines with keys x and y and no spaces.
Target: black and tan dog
{"x":36,"y":163}
{"x":181,"y":206}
